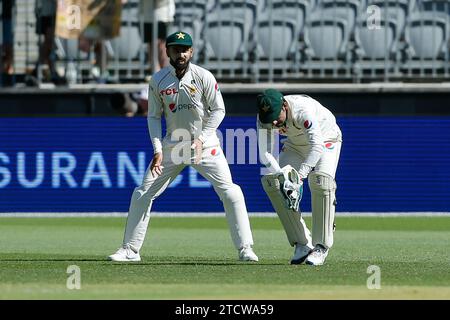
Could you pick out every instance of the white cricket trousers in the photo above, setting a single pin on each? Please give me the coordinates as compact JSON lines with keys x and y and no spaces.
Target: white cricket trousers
{"x":213,"y":167}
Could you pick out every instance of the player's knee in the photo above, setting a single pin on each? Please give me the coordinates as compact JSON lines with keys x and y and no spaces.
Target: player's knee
{"x":233,"y":193}
{"x":144,"y":193}
{"x":320,"y":181}
{"x":270,"y":183}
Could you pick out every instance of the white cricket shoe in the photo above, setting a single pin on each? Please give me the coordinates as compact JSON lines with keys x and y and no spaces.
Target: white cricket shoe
{"x":300,"y":253}
{"x":317,"y":256}
{"x":247,"y":254}
{"x":125,"y":254}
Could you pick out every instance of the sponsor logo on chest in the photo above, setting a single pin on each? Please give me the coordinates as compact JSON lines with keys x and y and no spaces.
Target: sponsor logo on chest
{"x":169,"y":92}
{"x":171,"y":99}
{"x":182,"y":106}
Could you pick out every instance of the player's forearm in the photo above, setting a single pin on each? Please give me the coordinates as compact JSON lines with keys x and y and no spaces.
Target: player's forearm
{"x":155,"y":130}
{"x":212,"y":124}
{"x":311,"y":160}
{"x":265,"y":144}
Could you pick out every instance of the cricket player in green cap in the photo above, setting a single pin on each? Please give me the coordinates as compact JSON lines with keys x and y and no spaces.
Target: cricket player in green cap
{"x":310,"y":151}
{"x":190,"y":99}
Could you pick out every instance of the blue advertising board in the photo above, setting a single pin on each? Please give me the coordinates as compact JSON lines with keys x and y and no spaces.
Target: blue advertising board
{"x":388,"y":164}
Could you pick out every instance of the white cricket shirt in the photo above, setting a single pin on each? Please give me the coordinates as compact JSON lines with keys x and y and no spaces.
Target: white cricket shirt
{"x":308,"y":124}
{"x":193,"y":103}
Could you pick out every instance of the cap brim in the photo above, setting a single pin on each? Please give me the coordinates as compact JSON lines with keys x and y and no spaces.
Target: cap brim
{"x":268,"y":117}
{"x":178,"y":44}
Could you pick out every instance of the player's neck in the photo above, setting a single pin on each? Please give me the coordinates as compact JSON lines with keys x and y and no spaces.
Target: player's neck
{"x":180,"y":72}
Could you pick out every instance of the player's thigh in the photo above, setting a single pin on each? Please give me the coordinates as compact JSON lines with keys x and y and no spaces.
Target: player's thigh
{"x":214,"y":167}
{"x":154,"y":185}
{"x":330,"y":158}
{"x":289,"y":156}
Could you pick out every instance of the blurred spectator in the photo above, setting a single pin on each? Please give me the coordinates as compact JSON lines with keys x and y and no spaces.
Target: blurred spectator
{"x":99,"y":61}
{"x":165,"y":11}
{"x":95,"y":35}
{"x":131,"y":104}
{"x":124,"y":104}
{"x":7,"y":48}
{"x":142,"y":101}
{"x":45,"y":70}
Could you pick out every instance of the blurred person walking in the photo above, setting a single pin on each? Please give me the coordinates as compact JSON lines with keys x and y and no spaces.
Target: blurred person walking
{"x":164,"y":10}
{"x":7,"y":43}
{"x":45,"y":69}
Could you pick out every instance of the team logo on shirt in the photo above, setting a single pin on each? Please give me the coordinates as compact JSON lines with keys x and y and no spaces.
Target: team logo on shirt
{"x":307,"y":124}
{"x":192,"y":90}
{"x":217,"y":87}
{"x":329,"y":145}
{"x":173,"y":107}
{"x":215,"y":152}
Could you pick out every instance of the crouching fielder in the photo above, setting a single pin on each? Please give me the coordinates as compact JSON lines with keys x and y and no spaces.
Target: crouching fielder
{"x":311,"y":150}
{"x":192,"y":104}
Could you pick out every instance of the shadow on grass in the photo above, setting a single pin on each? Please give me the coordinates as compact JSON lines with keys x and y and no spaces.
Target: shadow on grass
{"x":162,"y":262}
{"x":201,"y":263}
{"x":49,"y":260}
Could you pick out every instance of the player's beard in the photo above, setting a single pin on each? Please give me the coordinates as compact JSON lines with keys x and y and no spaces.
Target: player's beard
{"x":180,"y":64}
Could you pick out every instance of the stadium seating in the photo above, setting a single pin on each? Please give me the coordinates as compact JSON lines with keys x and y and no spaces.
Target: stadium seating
{"x":327,"y":35}
{"x":128,"y":45}
{"x":192,"y":8}
{"x":427,"y":36}
{"x":228,"y":36}
{"x":394,"y":10}
{"x":377,"y":49}
{"x":327,"y":47}
{"x":279,"y":26}
{"x":278,"y":40}
{"x":346,"y":10}
{"x":190,"y":16}
{"x":433,"y":5}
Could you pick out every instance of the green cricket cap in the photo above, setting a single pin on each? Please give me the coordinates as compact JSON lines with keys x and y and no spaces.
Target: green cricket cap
{"x":269,"y":105}
{"x":179,"y":38}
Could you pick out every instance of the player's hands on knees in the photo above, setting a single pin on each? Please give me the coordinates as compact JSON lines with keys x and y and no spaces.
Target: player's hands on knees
{"x":156,"y":167}
{"x":197,"y":146}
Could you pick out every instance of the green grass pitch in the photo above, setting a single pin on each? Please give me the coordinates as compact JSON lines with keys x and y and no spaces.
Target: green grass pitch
{"x":193,"y":258}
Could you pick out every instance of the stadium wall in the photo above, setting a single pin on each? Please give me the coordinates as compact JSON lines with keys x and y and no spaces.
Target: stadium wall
{"x":91,"y":164}
{"x":342,"y":99}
